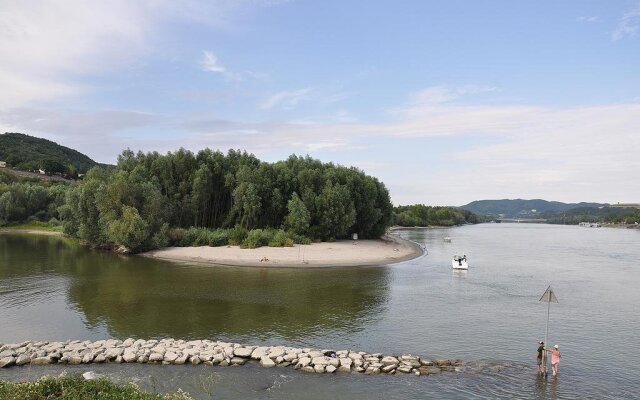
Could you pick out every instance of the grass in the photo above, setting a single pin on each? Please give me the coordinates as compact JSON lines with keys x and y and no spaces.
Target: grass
{"x":34,"y":226}
{"x":77,"y":388}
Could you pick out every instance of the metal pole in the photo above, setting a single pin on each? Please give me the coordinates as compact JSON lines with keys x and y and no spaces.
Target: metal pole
{"x":546,"y":335}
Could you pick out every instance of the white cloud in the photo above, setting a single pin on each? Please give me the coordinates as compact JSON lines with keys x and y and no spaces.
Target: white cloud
{"x":592,"y":18}
{"x":629,"y":25}
{"x":210,"y":62}
{"x":287,"y":100}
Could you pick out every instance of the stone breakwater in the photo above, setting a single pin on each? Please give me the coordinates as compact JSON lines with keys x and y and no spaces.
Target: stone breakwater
{"x":207,"y":352}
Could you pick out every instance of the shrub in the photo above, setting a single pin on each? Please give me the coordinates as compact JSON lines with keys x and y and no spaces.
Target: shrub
{"x":280,"y":239}
{"x":256,"y":238}
{"x":237,"y":235}
{"x":219,"y":237}
{"x":300,"y":239}
{"x":176,"y":236}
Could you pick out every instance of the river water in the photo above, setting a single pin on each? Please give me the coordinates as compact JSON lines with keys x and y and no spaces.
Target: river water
{"x":489,"y":316}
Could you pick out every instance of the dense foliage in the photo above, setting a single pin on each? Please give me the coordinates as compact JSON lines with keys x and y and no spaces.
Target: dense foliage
{"x":77,"y":388}
{"x":421,"y":215}
{"x":139,"y":203}
{"x":30,"y":153}
{"x":26,"y":200}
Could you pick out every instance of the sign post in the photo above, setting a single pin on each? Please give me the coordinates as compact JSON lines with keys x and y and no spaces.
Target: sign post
{"x":550,"y":297}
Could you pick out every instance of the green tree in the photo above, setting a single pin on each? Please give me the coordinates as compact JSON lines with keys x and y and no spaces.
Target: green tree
{"x":298,"y":218}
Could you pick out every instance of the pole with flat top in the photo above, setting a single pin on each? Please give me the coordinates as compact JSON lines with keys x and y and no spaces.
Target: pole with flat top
{"x":550,"y":297}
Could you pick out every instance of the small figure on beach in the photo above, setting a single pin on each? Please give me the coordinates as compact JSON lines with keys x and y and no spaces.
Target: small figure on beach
{"x":555,"y":359}
{"x":540,"y":357}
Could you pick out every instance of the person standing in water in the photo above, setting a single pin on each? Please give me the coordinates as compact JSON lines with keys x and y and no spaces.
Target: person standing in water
{"x":541,"y":357}
{"x":555,"y":359}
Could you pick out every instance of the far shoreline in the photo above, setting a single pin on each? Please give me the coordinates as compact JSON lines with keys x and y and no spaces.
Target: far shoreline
{"x":390,"y":249}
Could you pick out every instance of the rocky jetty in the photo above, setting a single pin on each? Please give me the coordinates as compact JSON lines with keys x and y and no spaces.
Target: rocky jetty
{"x":208,"y":352}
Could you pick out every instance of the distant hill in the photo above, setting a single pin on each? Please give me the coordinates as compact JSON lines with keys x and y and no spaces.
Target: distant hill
{"x":29,"y":152}
{"x":523,"y":208}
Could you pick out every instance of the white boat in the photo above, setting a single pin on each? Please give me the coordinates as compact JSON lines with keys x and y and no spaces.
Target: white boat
{"x":459,"y":262}
{"x":447,"y":239}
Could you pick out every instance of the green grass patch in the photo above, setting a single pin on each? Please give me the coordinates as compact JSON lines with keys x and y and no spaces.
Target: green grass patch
{"x":34,"y":226}
{"x":77,"y":388}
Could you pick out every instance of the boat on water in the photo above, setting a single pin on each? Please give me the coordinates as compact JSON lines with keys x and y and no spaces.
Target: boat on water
{"x":447,"y":239}
{"x":460,"y":262}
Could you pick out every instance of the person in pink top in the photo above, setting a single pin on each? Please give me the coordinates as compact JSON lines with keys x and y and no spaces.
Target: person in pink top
{"x":555,"y":359}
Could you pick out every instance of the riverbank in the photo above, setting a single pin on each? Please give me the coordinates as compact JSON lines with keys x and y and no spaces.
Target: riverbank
{"x":31,"y":230}
{"x":346,"y":253}
{"x":210,"y":353}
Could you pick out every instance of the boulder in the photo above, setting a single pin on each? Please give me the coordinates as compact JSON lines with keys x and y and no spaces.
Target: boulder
{"x":388,"y":368}
{"x":129,"y":356}
{"x":344,"y":368}
{"x":276,"y":352}
{"x":303,"y":362}
{"x":153,"y":357}
{"x":243,"y":351}
{"x":404,"y":368}
{"x":330,"y":369}
{"x":195,"y":360}
{"x":308,"y":368}
{"x":428,"y":370}
{"x":181,"y":360}
{"x":238,"y":361}
{"x":170,"y":356}
{"x":74,"y":360}
{"x":426,"y":362}
{"x":41,"y":361}
{"x":23,"y":359}
{"x":100,"y":358}
{"x":319,"y":369}
{"x":388,"y":360}
{"x":259,"y":352}
{"x":441,"y":362}
{"x":7,"y":362}
{"x":267,"y":362}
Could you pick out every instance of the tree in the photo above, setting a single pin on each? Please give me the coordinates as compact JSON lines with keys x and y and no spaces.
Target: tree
{"x":298,"y":218}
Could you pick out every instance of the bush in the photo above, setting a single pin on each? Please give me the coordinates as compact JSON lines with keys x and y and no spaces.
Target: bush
{"x":300,"y":239}
{"x":219,"y":237}
{"x":257,"y":238}
{"x":176,"y":236}
{"x":280,"y":239}
{"x":237,"y":235}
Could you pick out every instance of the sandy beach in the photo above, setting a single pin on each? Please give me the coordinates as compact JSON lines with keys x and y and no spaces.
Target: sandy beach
{"x":346,"y":253}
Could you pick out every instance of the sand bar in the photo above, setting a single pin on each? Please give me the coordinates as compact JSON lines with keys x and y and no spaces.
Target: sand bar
{"x":347,"y":253}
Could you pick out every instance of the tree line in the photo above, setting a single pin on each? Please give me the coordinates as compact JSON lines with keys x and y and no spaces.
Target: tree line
{"x":149,"y":200}
{"x":422,"y":215}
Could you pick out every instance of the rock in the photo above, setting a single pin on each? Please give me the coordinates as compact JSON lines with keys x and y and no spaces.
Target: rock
{"x":372,"y":371}
{"x":128,"y":342}
{"x":195,"y":360}
{"x":224,"y":363}
{"x":441,"y":362}
{"x":303,"y":362}
{"x":113,"y":352}
{"x":290,"y":357}
{"x":276,"y":352}
{"x":143,"y":359}
{"x":416,"y":372}
{"x":412,"y":363}
{"x":315,"y":353}
{"x":118,"y":360}
{"x":388,"y":368}
{"x":318,"y":369}
{"x":7,"y":362}
{"x":129,"y":356}
{"x":404,"y":368}
{"x":74,"y":360}
{"x":259,"y":352}
{"x":7,"y":353}
{"x":41,"y":361}
{"x":330,"y":369}
{"x":426,"y":362}
{"x":100,"y":358}
{"x":344,"y":368}
{"x":181,"y":360}
{"x":154,"y":357}
{"x":23,"y":359}
{"x":346,"y":362}
{"x":90,"y":375}
{"x":428,"y":370}
{"x":238,"y":361}
{"x":308,"y":368}
{"x":320,"y":360}
{"x":267,"y":362}
{"x":284,"y":364}
{"x":170,"y":356}
{"x":243,"y":351}
{"x":388,"y":360}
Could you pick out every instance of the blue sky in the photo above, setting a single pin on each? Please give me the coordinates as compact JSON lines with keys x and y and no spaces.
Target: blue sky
{"x":445,"y":101}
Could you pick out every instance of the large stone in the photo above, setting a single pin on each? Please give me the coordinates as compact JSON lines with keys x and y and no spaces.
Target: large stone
{"x":412,"y":363}
{"x":404,"y":368}
{"x":388,"y":368}
{"x":181,"y":360}
{"x":129,"y":356}
{"x":170,"y":356}
{"x":74,"y":360}
{"x":195,"y":360}
{"x":320,"y":360}
{"x":330,"y":369}
{"x":428,"y":370}
{"x":267,"y":362}
{"x":308,"y":368}
{"x":426,"y":362}
{"x":238,"y":361}
{"x":346,"y":362}
{"x":41,"y":361}
{"x":7,"y":362}
{"x":154,"y":357}
{"x":23,"y":359}
{"x":259,"y":352}
{"x":318,"y":369}
{"x":290,"y":357}
{"x":388,"y":360}
{"x":344,"y":368}
{"x":303,"y":362}
{"x":100,"y":358}
{"x":7,"y":353}
{"x":441,"y":362}
{"x":276,"y":352}
{"x":113,"y":352}
{"x":243,"y":351}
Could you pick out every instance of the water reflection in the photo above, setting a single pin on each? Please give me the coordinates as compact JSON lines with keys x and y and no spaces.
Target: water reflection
{"x":140,"y":297}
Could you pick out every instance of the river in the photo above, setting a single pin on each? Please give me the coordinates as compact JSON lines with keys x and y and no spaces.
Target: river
{"x":53,"y":289}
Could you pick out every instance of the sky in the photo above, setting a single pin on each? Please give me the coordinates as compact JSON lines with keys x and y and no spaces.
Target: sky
{"x":446,"y":102}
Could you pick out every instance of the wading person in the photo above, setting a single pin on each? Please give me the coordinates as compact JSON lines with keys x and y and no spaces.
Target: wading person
{"x":555,"y":359}
{"x":541,"y":357}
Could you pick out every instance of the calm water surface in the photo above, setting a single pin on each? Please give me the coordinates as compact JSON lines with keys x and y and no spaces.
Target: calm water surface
{"x":51,"y":288}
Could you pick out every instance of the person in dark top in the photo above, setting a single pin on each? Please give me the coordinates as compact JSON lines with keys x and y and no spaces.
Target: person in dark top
{"x":540,"y":357}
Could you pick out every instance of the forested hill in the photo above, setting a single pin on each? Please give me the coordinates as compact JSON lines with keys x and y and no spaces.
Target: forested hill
{"x":422,"y":215}
{"x":28,"y":153}
{"x":522,"y":208}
